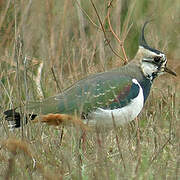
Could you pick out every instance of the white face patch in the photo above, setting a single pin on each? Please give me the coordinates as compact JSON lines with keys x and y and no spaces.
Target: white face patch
{"x":148,"y":68}
{"x":121,"y":115}
{"x":150,"y":65}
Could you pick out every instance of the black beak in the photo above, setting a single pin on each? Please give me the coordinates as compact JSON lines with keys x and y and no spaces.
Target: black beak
{"x":170,"y":71}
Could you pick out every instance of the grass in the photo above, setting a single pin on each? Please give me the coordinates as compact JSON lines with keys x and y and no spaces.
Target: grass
{"x":70,"y":46}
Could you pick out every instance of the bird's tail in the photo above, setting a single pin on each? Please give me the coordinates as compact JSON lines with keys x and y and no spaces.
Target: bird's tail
{"x":15,"y":119}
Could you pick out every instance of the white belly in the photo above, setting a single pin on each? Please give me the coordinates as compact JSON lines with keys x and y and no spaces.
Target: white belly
{"x":121,"y":115}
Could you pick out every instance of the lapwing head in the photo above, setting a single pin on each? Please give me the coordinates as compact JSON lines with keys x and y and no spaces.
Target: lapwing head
{"x":152,"y":61}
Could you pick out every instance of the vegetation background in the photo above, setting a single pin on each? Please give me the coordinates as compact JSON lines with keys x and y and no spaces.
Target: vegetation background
{"x":45,"y":46}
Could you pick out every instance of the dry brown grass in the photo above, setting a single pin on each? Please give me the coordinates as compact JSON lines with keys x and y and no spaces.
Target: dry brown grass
{"x":70,"y":46}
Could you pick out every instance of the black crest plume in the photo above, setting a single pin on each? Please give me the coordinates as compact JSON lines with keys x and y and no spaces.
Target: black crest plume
{"x":142,"y":40}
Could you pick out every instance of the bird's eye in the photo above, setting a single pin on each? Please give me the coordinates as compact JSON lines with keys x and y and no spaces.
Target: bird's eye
{"x":157,"y":59}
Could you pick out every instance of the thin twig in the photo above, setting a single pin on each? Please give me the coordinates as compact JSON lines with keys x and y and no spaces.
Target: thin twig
{"x":88,"y":16}
{"x":55,"y":79}
{"x":60,"y":90}
{"x":160,"y":150}
{"x":115,"y":35}
{"x":105,"y":36}
{"x":125,"y":25}
{"x":90,"y":19}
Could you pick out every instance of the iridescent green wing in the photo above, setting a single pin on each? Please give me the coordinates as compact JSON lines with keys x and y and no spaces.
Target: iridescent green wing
{"x":106,"y":90}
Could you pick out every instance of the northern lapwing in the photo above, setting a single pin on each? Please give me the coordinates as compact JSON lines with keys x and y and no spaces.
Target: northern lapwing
{"x":116,"y":95}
